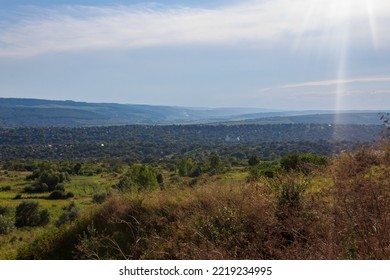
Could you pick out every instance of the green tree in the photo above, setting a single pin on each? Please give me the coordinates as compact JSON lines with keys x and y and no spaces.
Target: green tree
{"x":303,"y":162}
{"x":77,"y":168}
{"x":290,"y":162}
{"x":184,"y":166}
{"x":253,"y":160}
{"x":215,"y":163}
{"x":139,"y":177}
{"x":47,"y":176}
{"x":196,"y":171}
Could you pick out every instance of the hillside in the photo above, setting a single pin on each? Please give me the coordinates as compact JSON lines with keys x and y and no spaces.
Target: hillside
{"x":36,"y":112}
{"x":16,"y":112}
{"x":308,"y":117}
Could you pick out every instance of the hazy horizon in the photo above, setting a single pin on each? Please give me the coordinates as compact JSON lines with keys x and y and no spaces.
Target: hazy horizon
{"x":276,"y":55}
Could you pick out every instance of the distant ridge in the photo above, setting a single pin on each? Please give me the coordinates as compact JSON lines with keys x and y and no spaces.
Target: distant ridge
{"x":362,"y":118}
{"x":15,"y":112}
{"x":40,"y":112}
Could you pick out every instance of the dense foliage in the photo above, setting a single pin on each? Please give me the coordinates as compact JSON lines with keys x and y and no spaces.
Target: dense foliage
{"x":139,"y":177}
{"x":29,"y":214}
{"x":151,"y":144}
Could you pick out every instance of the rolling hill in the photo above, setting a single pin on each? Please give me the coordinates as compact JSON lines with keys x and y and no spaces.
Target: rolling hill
{"x":15,"y":112}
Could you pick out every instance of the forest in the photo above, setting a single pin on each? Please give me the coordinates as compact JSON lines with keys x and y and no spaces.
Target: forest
{"x":152,"y":144}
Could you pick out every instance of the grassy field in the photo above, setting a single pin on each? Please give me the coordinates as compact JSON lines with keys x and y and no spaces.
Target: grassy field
{"x":83,"y":188}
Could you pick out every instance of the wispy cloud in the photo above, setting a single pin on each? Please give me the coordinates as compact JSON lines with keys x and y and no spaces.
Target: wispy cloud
{"x":327,"y":83}
{"x":253,"y":23}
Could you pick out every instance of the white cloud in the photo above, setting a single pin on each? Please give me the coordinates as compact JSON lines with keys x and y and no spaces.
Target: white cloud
{"x":336,"y":82}
{"x":254,"y":23}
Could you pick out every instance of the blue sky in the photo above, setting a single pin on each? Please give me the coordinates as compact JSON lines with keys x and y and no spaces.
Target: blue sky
{"x":281,"y":54}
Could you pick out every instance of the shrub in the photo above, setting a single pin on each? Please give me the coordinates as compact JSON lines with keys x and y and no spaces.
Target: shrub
{"x":263,"y":169}
{"x":215,"y":164}
{"x":29,"y":214}
{"x":303,"y":162}
{"x":5,"y":210}
{"x":196,"y":171}
{"x":160,"y":180}
{"x":70,"y":213}
{"x":5,"y":188}
{"x":99,"y":198}
{"x":362,"y":205}
{"x":59,"y":187}
{"x":18,"y":196}
{"x":184,"y":166}
{"x":69,"y":195}
{"x":6,"y":225}
{"x":52,"y":178}
{"x":40,"y":188}
{"x":60,"y":195}
{"x":57,"y":195}
{"x":139,"y":177}
{"x":46,"y":173}
{"x":253,"y":160}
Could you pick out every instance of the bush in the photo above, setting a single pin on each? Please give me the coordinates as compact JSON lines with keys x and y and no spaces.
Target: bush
{"x":302,"y":162}
{"x":253,"y":160}
{"x":139,"y":177}
{"x":5,"y":210}
{"x":196,"y":171}
{"x":361,"y":205}
{"x":18,"y":196}
{"x":70,"y":213}
{"x":6,"y":225}
{"x":263,"y":169}
{"x":60,"y":195}
{"x":57,"y":195}
{"x":29,"y":214}
{"x":99,"y":198}
{"x":5,"y":188}
{"x":59,"y":187}
{"x":40,"y":188}
{"x":47,"y":174}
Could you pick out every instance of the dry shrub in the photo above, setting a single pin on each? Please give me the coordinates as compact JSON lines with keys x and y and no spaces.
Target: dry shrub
{"x":300,"y":231}
{"x":210,"y":222}
{"x":215,"y":221}
{"x":235,"y":220}
{"x":361,"y":206}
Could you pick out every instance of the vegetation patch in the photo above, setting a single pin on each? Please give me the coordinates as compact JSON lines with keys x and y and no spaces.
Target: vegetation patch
{"x":217,"y":201}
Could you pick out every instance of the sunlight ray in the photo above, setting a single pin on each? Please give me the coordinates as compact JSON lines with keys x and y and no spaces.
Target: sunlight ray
{"x":372,"y":23}
{"x":342,"y":68}
{"x":306,"y":23}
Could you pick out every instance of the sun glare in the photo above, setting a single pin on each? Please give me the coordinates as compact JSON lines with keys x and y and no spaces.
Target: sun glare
{"x":336,"y":22}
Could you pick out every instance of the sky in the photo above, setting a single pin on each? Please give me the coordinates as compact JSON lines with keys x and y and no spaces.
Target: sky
{"x":274,"y":54}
